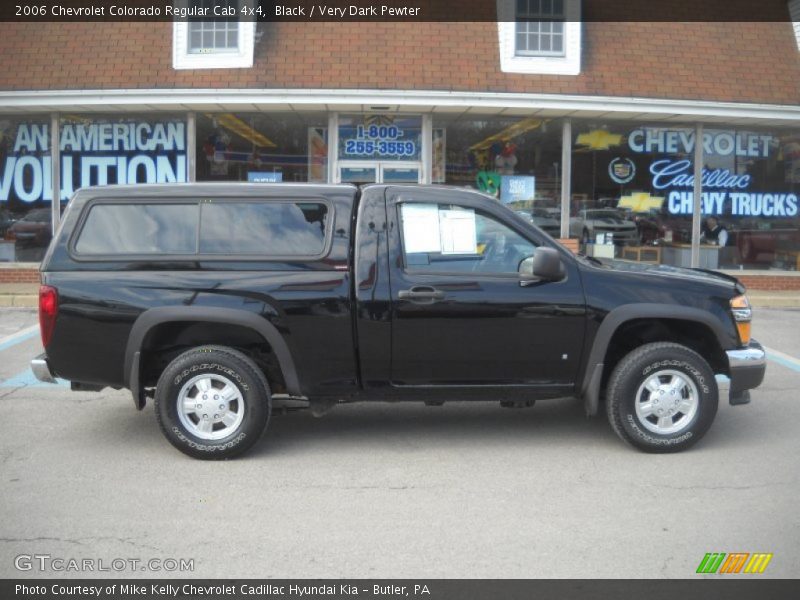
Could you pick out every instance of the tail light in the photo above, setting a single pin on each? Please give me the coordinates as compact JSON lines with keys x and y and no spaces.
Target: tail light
{"x":742,"y":314}
{"x":48,"y":310}
{"x":10,"y":235}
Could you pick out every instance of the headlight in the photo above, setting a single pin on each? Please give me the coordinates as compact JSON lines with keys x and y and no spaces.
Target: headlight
{"x":742,"y":314}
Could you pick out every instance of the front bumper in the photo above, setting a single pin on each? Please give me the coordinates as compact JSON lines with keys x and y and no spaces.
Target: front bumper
{"x":41,"y":370}
{"x":747,"y":368}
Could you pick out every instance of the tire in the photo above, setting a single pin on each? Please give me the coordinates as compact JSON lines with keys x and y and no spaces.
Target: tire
{"x":662,"y":422}
{"x":241,"y":416}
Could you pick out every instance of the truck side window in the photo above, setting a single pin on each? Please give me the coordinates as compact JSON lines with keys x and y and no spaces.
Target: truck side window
{"x":442,"y":238}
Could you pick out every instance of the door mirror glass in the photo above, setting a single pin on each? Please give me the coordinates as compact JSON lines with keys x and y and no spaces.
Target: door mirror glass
{"x":526,"y":268}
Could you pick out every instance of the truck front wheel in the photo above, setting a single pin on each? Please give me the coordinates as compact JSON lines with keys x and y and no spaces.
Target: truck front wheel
{"x":662,"y":397}
{"x":212,"y":402}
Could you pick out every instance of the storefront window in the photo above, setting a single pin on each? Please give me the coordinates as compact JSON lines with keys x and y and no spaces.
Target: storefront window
{"x":380,"y":148}
{"x":25,"y":190}
{"x":632,"y":188}
{"x":95,"y":150}
{"x":517,"y":160}
{"x":263,"y":147}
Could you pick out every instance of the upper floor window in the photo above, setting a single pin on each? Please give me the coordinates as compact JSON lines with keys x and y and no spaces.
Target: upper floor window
{"x":213,"y":36}
{"x":540,"y":36}
{"x":201,"y":43}
{"x":540,"y":28}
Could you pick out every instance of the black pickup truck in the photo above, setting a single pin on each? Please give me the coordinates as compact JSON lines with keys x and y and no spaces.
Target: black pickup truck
{"x":226,"y":302}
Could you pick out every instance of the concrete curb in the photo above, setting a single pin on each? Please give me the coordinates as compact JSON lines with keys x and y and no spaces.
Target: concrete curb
{"x":19,"y":300}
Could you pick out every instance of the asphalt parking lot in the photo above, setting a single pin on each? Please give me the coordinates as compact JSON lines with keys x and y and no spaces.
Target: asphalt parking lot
{"x":464,"y":490}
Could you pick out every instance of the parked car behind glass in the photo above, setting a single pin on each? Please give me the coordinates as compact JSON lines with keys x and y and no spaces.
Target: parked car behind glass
{"x":32,"y":234}
{"x":7,"y":219}
{"x":543,"y":220}
{"x":589,"y":223}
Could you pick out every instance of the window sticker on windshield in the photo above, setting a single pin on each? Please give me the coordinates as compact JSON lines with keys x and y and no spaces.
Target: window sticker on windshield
{"x":421,"y":228}
{"x":458,"y":232}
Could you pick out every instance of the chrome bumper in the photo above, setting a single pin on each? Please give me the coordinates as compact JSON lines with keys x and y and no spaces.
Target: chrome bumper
{"x":41,"y":370}
{"x":751,"y":356}
{"x":747,"y":368}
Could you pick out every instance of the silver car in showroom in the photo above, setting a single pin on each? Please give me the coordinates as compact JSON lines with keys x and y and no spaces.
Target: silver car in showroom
{"x":609,"y":221}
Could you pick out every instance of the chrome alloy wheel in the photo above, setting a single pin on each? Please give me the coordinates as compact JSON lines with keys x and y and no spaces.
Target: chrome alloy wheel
{"x":210,"y":407}
{"x":667,"y":402}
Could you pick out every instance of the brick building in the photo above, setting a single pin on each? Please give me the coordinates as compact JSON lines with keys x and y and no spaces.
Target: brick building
{"x":556,"y":107}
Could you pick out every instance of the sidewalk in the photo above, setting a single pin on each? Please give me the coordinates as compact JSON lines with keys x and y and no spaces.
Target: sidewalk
{"x":774,"y":299}
{"x":27,"y":294}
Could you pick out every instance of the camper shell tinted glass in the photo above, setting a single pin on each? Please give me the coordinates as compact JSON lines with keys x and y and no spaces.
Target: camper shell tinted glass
{"x":133,"y":229}
{"x":211,"y":228}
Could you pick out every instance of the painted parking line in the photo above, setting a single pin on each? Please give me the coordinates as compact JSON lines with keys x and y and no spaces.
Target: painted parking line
{"x":790,"y":362}
{"x":19,"y":337}
{"x":27,"y":379}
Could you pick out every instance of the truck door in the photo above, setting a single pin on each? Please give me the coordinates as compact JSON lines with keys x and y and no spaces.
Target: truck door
{"x":460,"y":315}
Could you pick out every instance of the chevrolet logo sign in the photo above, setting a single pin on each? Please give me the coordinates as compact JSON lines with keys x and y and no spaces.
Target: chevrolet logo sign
{"x":599,"y":139}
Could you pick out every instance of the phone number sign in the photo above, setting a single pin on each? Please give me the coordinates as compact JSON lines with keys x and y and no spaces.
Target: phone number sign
{"x":386,"y":141}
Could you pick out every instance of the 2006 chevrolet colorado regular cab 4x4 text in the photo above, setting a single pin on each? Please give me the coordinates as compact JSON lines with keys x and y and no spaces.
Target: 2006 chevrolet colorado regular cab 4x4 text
{"x":224,"y":301}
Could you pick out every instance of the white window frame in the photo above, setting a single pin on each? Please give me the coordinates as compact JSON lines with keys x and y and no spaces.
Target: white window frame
{"x":794,"y":14}
{"x":568,"y":63}
{"x":183,"y":58}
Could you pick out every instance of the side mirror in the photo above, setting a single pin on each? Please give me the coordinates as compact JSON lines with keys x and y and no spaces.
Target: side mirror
{"x":545,"y":265}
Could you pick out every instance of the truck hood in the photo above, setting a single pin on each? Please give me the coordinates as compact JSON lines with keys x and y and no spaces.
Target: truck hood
{"x":678,"y":273}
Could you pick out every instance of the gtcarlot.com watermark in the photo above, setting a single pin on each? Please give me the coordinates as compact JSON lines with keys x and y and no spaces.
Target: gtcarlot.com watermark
{"x":59,"y":564}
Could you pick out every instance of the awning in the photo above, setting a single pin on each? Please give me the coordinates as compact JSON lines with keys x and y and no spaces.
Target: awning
{"x":405,"y":101}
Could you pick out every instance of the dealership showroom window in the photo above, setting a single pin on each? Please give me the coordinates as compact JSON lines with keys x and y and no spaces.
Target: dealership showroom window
{"x":630,"y":190}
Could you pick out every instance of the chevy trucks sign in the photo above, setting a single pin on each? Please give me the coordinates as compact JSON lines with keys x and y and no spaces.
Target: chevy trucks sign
{"x":92,"y":153}
{"x":726,"y":191}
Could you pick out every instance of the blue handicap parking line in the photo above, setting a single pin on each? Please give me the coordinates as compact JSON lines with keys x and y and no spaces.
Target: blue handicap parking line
{"x":27,"y":379}
{"x":790,"y":362}
{"x":18,"y":338}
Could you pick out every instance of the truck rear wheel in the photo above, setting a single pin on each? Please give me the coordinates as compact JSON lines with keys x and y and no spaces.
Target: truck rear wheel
{"x":662,"y":397}
{"x":212,"y":402}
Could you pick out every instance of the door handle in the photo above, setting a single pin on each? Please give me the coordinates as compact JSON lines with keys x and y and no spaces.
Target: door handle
{"x":421,"y":292}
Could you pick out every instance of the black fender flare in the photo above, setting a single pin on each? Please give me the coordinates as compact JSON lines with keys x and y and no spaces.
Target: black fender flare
{"x":166,"y":314}
{"x":593,"y":373}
